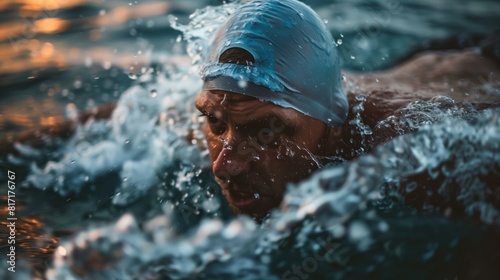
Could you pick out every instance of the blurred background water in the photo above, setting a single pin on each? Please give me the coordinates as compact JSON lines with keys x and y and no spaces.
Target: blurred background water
{"x":64,"y":57}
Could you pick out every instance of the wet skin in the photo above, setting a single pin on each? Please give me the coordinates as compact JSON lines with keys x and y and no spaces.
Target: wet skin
{"x":257,"y":148}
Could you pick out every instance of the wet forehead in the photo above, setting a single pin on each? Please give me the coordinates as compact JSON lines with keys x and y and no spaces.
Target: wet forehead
{"x":223,"y":100}
{"x":241,"y":106}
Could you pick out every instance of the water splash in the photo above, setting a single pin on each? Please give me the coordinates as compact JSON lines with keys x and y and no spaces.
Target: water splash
{"x":201,"y":28}
{"x":346,"y":212}
{"x":340,"y":211}
{"x":147,"y":131}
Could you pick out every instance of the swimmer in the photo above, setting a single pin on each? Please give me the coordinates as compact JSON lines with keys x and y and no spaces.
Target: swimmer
{"x":275,"y":106}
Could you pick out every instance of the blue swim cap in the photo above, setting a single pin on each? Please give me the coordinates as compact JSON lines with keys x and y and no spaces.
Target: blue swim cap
{"x":296,"y":62}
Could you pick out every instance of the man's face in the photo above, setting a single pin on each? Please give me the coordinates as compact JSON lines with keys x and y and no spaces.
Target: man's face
{"x":257,"y":147}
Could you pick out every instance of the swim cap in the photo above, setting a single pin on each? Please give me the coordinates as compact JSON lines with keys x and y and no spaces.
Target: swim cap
{"x":296,"y":62}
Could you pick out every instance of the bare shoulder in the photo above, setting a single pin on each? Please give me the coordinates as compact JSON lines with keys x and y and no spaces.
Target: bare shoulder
{"x":465,"y":76}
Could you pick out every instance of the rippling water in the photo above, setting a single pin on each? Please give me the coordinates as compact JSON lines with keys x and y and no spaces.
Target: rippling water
{"x":347,"y":221}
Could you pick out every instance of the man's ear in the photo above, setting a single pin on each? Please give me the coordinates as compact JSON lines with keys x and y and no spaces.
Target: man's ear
{"x":330,"y":140}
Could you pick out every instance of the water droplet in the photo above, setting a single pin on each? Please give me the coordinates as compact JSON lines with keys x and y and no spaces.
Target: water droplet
{"x":178,"y":39}
{"x":353,"y":57}
{"x":153,"y":93}
{"x":411,"y":187}
{"x":360,"y":97}
{"x":127,"y":141}
{"x":242,"y":83}
{"x":358,"y":231}
{"x":88,"y":61}
{"x":132,"y":76}
{"x":339,"y":42}
{"x":338,"y":230}
{"x":125,"y":179}
{"x":398,"y":149}
{"x":383,"y":226}
{"x":256,"y":195}
{"x":325,"y":21}
{"x":106,"y":65}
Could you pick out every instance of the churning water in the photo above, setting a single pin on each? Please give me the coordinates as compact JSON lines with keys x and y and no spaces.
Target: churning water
{"x":132,"y":197}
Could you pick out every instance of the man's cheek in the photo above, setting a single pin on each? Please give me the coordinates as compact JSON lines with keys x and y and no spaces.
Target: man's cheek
{"x":245,"y":148}
{"x":287,"y":150}
{"x":214,"y":148}
{"x":234,"y":209}
{"x":278,"y":188}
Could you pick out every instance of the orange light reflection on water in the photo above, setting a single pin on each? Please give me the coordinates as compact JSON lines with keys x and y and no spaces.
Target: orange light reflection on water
{"x":9,"y":31}
{"x":51,"y":25}
{"x":20,"y":36}
{"x":33,"y":244}
{"x":19,"y":119}
{"x":27,"y":53}
{"x":31,"y":54}
{"x":43,"y":5}
{"x":34,"y":113}
{"x":51,"y":121}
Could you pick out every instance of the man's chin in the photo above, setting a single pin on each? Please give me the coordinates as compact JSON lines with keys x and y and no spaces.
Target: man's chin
{"x":257,"y":216}
{"x":257,"y":208}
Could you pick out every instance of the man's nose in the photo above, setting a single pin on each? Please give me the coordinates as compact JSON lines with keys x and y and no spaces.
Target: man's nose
{"x":230,"y":163}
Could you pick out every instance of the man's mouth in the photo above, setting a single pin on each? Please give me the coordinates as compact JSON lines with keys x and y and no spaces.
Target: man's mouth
{"x":243,"y":200}
{"x":249,"y":200}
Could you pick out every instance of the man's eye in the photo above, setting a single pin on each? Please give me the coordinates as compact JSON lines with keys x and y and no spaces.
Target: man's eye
{"x":216,"y":125}
{"x":212,"y":119}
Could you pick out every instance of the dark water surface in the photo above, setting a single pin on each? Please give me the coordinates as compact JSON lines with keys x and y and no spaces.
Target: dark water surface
{"x":59,"y":58}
